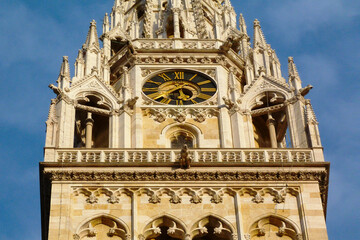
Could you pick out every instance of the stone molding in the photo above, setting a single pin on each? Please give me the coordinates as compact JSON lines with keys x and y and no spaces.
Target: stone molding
{"x":114,"y":193}
{"x":180,"y":115}
{"x":192,"y":175}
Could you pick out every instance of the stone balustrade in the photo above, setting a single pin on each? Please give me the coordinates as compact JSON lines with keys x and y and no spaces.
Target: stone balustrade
{"x":171,"y":155}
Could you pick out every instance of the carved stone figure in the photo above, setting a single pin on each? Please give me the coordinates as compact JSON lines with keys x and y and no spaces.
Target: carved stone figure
{"x":185,"y":158}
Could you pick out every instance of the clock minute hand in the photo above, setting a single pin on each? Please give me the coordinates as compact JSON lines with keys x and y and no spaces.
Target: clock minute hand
{"x":170,"y":91}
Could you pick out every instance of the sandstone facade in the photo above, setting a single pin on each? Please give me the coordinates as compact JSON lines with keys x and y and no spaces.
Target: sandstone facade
{"x":169,"y":74}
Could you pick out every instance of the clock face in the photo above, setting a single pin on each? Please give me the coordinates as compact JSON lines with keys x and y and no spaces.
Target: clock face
{"x":179,"y":87}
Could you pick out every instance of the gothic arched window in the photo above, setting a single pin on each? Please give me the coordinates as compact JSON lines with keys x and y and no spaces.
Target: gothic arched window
{"x":179,"y":139}
{"x":269,"y":120}
{"x":164,"y":228}
{"x":93,"y":110}
{"x":273,"y":227}
{"x":210,"y":228}
{"x":102,"y":228}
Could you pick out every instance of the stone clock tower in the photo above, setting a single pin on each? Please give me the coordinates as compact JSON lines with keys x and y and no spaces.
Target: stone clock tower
{"x":179,"y":127}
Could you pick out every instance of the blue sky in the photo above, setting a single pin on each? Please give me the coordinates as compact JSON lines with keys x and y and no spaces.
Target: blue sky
{"x":323,"y":37}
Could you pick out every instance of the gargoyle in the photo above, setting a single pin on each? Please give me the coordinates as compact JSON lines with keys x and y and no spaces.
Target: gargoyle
{"x":304,"y":91}
{"x":130,"y":104}
{"x":56,"y":90}
{"x":229,"y":104}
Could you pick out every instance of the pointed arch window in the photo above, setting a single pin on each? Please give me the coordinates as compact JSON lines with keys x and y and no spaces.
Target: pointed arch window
{"x":210,"y":228}
{"x":164,"y":228}
{"x":274,"y":227}
{"x":181,"y":138}
{"x":92,"y":114}
{"x":269,"y":118}
{"x":102,"y":228}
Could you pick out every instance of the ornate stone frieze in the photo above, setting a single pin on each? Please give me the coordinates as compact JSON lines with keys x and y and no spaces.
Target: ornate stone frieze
{"x":180,"y":115}
{"x":319,"y":176}
{"x":113,"y":194}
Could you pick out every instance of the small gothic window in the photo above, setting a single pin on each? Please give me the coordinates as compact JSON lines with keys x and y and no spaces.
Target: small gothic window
{"x":99,"y":123}
{"x":270,"y":121}
{"x":178,"y":140}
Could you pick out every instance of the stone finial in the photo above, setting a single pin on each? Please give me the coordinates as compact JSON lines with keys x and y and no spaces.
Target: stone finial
{"x":106,"y":24}
{"x":64,"y":75}
{"x":242,"y":24}
{"x":256,"y":23}
{"x":92,"y":37}
{"x":292,"y":67}
{"x":259,"y":38}
{"x":294,"y":77}
{"x":65,"y":69}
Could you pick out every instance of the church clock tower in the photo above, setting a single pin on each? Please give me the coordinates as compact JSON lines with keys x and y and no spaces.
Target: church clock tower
{"x":179,"y":127}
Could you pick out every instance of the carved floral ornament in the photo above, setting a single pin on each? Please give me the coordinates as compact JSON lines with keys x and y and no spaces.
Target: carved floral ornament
{"x":180,"y":115}
{"x":155,"y":195}
{"x":192,"y":175}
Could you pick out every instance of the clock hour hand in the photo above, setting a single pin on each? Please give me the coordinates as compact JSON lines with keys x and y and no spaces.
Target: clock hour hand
{"x":170,"y":91}
{"x":183,"y":96}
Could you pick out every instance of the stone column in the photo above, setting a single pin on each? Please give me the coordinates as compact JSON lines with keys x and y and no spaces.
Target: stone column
{"x":272,"y":132}
{"x":176,"y":23}
{"x":89,"y":128}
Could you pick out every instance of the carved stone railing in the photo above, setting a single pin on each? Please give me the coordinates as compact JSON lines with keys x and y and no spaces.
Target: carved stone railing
{"x":170,"y":155}
{"x":166,"y":44}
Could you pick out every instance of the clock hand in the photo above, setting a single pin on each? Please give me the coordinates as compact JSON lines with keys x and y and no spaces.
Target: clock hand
{"x":183,"y":96}
{"x":171,"y":90}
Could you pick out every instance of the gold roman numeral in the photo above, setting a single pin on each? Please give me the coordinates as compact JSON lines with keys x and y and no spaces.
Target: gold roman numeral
{"x":208,"y":89}
{"x":204,"y":82}
{"x":204,"y":96}
{"x":179,"y":75}
{"x":193,"y":101}
{"x":179,"y":102}
{"x":164,"y":76}
{"x":150,"y":89}
{"x":151,"y":81}
{"x":165,"y":100}
{"x":192,"y":77}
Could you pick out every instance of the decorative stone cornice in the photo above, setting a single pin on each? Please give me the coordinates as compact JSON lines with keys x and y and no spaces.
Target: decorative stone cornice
{"x":186,"y":175}
{"x":114,"y":193}
{"x":320,"y":176}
